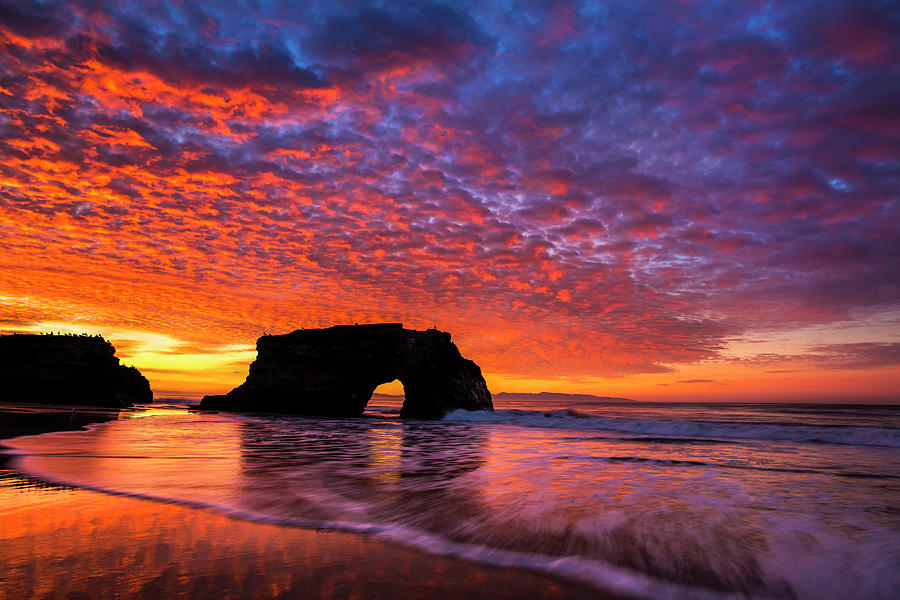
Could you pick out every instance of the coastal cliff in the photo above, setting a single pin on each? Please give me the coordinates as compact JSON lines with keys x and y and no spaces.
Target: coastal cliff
{"x":67,"y":369}
{"x":333,"y":372}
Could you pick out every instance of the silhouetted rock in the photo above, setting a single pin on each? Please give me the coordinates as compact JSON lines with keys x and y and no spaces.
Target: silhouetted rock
{"x":67,"y":369}
{"x":333,"y":372}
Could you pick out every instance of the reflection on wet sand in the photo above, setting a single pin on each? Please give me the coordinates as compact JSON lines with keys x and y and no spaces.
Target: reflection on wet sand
{"x":67,"y":543}
{"x":63,"y":542}
{"x":161,"y":458}
{"x":363,"y":472}
{"x":31,"y":419}
{"x":432,"y":485}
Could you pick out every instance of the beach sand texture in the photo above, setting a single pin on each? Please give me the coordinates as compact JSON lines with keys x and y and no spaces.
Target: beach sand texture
{"x":62,"y":542}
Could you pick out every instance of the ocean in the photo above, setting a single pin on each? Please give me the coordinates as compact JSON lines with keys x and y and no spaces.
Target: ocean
{"x":650,"y":500}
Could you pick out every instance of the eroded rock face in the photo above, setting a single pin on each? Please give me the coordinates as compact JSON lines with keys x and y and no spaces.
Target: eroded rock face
{"x":333,"y":372}
{"x":67,"y":369}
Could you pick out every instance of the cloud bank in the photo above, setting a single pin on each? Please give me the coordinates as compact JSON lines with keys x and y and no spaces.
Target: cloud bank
{"x":573,"y":189}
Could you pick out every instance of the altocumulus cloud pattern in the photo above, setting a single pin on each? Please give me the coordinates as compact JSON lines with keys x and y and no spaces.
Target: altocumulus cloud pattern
{"x":572,"y":188}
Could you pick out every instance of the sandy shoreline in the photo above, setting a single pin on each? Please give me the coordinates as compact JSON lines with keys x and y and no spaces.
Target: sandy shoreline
{"x":60,"y":542}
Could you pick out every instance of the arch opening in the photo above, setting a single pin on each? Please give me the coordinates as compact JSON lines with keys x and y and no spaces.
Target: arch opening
{"x":387,"y":398}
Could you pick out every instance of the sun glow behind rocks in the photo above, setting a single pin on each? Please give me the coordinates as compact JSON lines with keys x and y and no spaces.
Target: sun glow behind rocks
{"x":179,"y":368}
{"x":601,"y":198}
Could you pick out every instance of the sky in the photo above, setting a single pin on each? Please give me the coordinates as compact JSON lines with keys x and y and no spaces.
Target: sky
{"x":658,"y":200}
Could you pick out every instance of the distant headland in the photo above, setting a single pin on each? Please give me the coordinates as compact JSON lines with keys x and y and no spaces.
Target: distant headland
{"x":67,"y":369}
{"x":334,"y":371}
{"x":544,"y":396}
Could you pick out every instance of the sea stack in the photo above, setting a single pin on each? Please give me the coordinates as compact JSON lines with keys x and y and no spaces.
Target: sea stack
{"x":334,"y":371}
{"x":67,"y":369}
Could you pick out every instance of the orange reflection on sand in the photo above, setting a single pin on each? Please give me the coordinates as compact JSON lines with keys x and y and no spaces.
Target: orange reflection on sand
{"x":106,"y":456}
{"x":67,"y":543}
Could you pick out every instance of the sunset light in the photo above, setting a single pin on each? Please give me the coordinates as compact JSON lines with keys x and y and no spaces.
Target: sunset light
{"x":421,"y":299}
{"x":589,"y":199}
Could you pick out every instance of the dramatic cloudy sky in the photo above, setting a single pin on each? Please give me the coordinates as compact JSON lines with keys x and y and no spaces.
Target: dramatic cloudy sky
{"x":651,"y":199}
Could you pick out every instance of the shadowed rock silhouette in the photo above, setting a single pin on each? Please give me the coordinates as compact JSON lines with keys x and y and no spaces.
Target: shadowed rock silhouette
{"x":67,"y":369}
{"x":333,"y":372}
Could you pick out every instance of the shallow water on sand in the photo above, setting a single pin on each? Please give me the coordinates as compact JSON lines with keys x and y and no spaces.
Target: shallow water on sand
{"x":655,"y":501}
{"x":58,"y":542}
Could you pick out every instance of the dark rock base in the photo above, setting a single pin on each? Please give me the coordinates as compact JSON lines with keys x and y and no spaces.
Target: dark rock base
{"x":67,"y":369}
{"x":334,"y":371}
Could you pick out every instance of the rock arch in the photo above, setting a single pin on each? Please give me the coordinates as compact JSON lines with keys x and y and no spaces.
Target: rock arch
{"x":333,"y":372}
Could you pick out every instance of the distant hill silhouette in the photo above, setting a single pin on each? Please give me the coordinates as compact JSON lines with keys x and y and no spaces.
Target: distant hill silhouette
{"x":537,"y":396}
{"x":555,"y":396}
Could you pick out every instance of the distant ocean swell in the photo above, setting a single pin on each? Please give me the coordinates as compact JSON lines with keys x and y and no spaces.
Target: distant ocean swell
{"x":706,"y":431}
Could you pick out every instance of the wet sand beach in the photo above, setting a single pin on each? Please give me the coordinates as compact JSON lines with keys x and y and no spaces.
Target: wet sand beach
{"x":63,"y":542}
{"x":642,"y":500}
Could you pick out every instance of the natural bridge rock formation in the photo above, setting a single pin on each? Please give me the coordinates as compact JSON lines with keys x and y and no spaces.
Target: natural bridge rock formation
{"x":333,"y":372}
{"x":67,"y":369}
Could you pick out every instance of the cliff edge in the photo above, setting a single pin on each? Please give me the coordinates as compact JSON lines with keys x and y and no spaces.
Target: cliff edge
{"x":67,"y":369}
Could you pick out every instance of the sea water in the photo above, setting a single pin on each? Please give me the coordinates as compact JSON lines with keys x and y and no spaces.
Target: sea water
{"x":644,"y":499}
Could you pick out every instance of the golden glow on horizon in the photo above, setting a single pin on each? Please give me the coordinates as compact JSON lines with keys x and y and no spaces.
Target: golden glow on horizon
{"x":393,"y":388}
{"x":176,"y":368}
